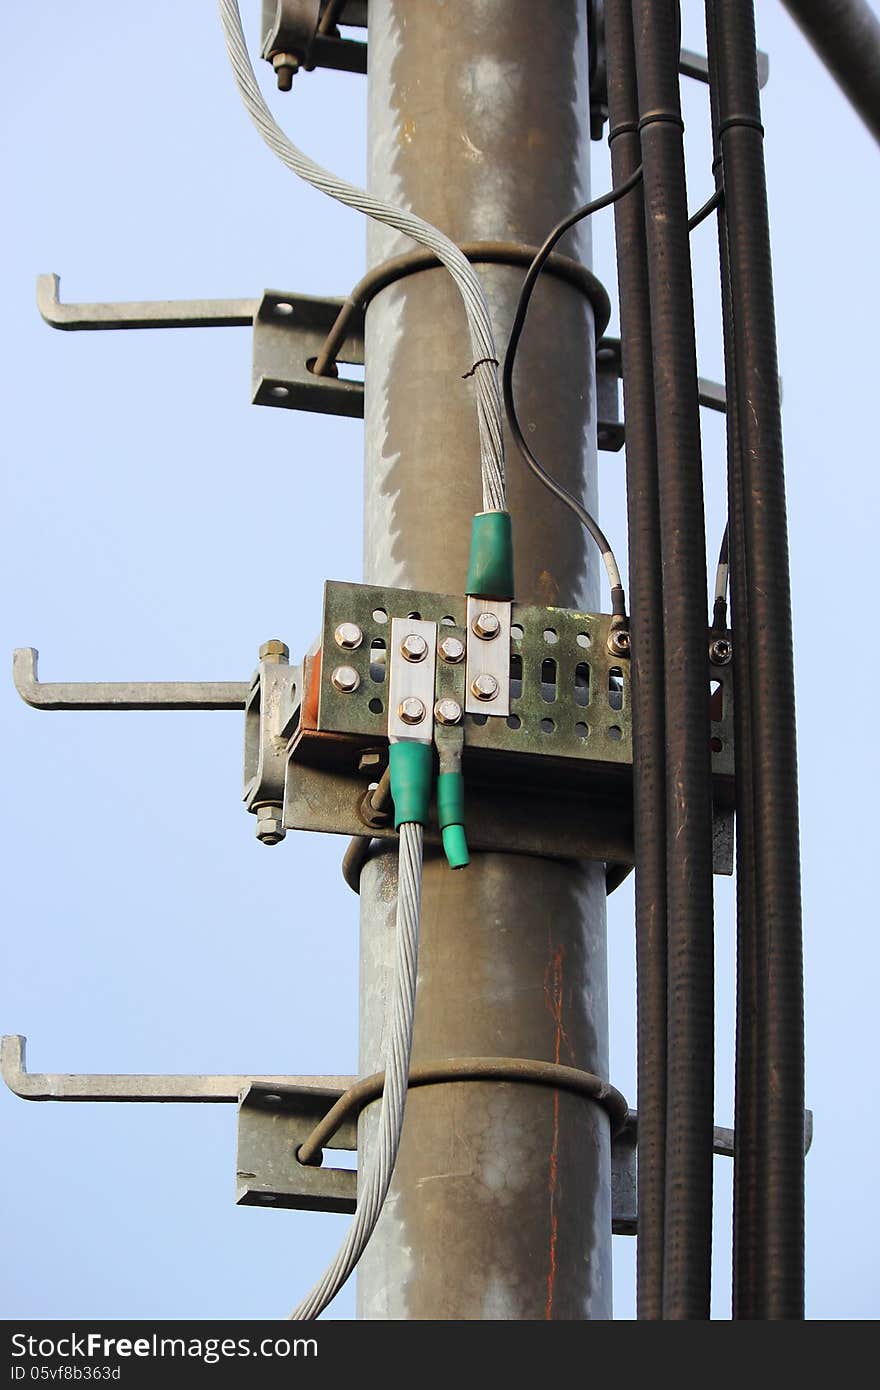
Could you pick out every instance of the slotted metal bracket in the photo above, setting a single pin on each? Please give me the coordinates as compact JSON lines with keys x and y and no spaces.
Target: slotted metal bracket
{"x":272,"y":1123}
{"x":551,"y":778}
{"x":289,"y":332}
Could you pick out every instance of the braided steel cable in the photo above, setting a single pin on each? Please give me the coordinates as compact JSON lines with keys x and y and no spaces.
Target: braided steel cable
{"x":485,"y":357}
{"x":377,"y":1177}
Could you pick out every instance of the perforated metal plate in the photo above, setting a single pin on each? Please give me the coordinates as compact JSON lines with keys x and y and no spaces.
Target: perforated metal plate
{"x":569,"y":696}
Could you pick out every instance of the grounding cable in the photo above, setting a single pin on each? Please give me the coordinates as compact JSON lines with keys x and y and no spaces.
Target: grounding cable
{"x":377,"y":1176}
{"x":722,"y":579}
{"x":522,"y":308}
{"x":485,"y":357}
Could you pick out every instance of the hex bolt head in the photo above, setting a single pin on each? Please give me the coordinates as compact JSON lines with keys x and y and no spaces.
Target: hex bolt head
{"x":486,"y":626}
{"x":485,"y":687}
{"x":619,"y":641}
{"x":720,"y":651}
{"x":348,"y":636}
{"x":270,"y":825}
{"x":345,"y":679}
{"x":414,"y":647}
{"x":452,"y":650}
{"x":276,"y":652}
{"x":411,"y":710}
{"x":447,"y":711}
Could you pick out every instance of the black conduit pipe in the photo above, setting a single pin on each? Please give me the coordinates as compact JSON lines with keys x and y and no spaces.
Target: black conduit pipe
{"x":646,"y":627}
{"x":690,"y":1035}
{"x":747,"y":1133}
{"x":846,"y":36}
{"x":749,"y":1012}
{"x":771,"y":673}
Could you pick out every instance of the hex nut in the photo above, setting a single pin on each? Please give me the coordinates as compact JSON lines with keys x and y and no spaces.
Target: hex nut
{"x":619,"y":641}
{"x":275,"y":651}
{"x":270,"y":825}
{"x":348,"y":636}
{"x":447,"y":711}
{"x":345,"y":679}
{"x":720,"y":651}
{"x":286,"y":67}
{"x":485,"y":687}
{"x":452,"y":649}
{"x":414,"y":647}
{"x":486,"y":626}
{"x":411,"y":710}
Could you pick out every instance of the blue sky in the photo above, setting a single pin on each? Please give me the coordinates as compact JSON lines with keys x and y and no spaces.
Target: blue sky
{"x":158,"y":526}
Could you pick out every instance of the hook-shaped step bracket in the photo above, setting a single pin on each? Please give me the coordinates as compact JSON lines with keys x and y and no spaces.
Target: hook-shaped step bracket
{"x":122,"y":695}
{"x":156,"y":313}
{"x":289,"y":334}
{"x":181,"y":1090}
{"x":278,"y":1113}
{"x":275,"y":1115}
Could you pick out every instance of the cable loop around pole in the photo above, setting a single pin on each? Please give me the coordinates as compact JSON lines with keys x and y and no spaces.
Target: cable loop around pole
{"x":508,"y":253}
{"x":515,"y":1069}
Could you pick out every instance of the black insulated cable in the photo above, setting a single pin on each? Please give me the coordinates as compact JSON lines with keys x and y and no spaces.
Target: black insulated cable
{"x":690,"y":961}
{"x":722,"y":577}
{"x":646,"y":657}
{"x":705,"y":211}
{"x":618,"y":598}
{"x":777,"y":898}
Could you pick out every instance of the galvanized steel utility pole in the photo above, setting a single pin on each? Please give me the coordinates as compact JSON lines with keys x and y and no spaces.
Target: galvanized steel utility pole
{"x":501,"y":1201}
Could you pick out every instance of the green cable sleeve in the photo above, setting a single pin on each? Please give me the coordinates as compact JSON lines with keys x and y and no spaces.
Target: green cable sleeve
{"x":490,"y":573}
{"x":412,"y":766}
{"x":450,"y":815}
{"x":450,"y":799}
{"x":455,"y":846}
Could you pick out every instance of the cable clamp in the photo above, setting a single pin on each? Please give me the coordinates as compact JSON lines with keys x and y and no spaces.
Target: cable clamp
{"x":665,"y":117}
{"x":624,"y":128}
{"x":751,"y":122}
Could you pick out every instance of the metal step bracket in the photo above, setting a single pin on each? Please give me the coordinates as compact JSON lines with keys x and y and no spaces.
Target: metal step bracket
{"x":276,"y":1114}
{"x":121,"y":695}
